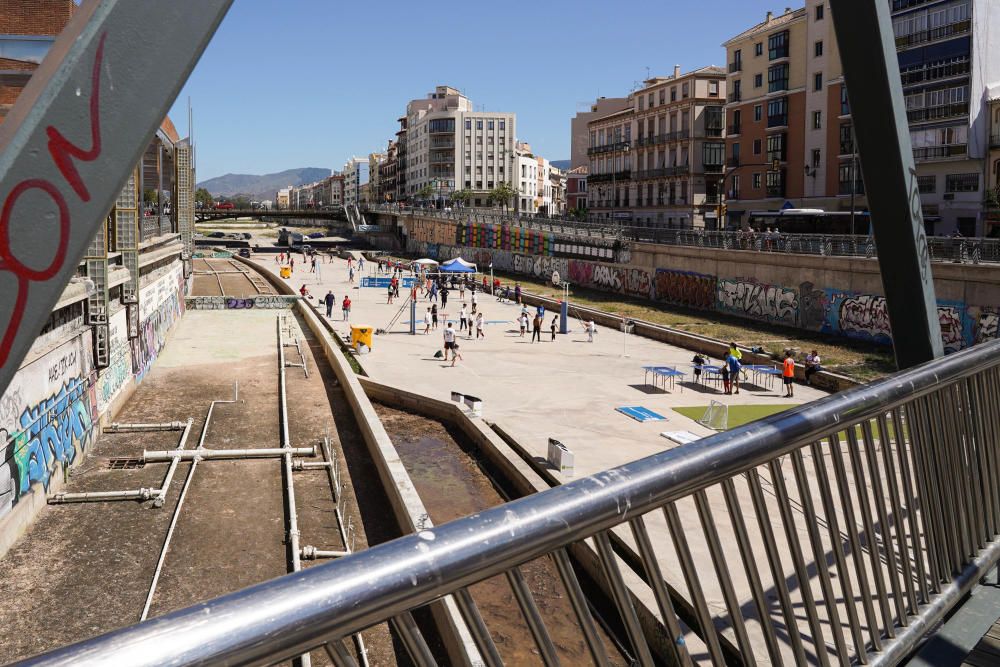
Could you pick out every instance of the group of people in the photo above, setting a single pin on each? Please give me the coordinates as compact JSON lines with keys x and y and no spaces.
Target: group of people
{"x":525,"y":321}
{"x":329,"y":300}
{"x":732,"y":366}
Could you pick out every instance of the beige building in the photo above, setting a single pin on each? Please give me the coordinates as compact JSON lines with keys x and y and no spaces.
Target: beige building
{"x":659,"y":162}
{"x":580,"y":130}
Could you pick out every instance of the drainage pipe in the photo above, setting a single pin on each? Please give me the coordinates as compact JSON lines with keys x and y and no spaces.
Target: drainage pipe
{"x":310,"y":552}
{"x":115,"y":427}
{"x":161,"y":496}
{"x":208,"y":454}
{"x":306,"y":465}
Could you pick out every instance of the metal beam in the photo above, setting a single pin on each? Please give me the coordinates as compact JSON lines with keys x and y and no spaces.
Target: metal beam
{"x":72,"y":139}
{"x":871,"y":70}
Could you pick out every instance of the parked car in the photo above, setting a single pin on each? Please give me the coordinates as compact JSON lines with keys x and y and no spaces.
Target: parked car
{"x":317,"y":235}
{"x":246,"y":235}
{"x":217,"y":235}
{"x":244,"y":252}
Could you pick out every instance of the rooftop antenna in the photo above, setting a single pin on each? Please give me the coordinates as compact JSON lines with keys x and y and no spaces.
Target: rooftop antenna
{"x":647,"y":72}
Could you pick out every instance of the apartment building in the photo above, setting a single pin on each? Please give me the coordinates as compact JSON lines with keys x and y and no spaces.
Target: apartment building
{"x":401,"y":160}
{"x":450,"y":146}
{"x":790,"y":139}
{"x":992,"y":204}
{"x":557,"y":190}
{"x":387,"y":174}
{"x":282,"y":198}
{"x":576,"y":189}
{"x":580,"y":131}
{"x":355,"y":175}
{"x":659,"y":162}
{"x":375,"y":186}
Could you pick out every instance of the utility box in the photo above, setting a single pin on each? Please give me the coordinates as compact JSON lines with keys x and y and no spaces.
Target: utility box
{"x":560,"y":457}
{"x":285,"y":272}
{"x":361,"y":335}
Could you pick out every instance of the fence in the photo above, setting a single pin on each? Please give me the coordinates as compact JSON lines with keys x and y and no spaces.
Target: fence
{"x":942,"y":249}
{"x":839,"y":531}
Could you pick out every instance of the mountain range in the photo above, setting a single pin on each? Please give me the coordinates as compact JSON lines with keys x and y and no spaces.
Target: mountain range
{"x":262,"y":186}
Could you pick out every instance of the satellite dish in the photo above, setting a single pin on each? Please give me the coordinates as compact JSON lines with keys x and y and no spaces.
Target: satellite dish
{"x":555,"y":278}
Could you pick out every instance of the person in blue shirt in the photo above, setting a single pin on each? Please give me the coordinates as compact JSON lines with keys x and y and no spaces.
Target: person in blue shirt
{"x":734,"y":372}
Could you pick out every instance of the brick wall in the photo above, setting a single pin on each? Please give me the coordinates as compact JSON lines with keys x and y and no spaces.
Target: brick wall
{"x":34,"y":17}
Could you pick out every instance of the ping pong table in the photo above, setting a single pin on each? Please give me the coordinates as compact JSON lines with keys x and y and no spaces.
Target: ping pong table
{"x":664,"y":373}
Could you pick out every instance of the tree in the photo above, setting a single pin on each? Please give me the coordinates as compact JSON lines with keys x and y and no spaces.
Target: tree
{"x":204,"y":198}
{"x":150,"y":196}
{"x":502,"y":194}
{"x":461,"y":196}
{"x":425,"y":192}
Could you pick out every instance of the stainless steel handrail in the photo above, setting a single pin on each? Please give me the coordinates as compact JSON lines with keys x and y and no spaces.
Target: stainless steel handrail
{"x":943,"y":409}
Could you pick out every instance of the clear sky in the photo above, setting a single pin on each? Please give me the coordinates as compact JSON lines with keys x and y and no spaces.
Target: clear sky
{"x":309,"y":83}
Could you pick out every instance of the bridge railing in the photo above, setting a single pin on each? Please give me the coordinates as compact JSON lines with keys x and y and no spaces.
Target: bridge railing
{"x":839,"y":531}
{"x":942,"y":249}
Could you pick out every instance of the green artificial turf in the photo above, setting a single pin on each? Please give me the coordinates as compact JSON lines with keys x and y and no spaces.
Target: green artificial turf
{"x":738,"y":414}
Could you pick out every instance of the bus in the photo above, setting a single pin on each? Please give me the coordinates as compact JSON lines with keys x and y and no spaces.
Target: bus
{"x":811,"y":221}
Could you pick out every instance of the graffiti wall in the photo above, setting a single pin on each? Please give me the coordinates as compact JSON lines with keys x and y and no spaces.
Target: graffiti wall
{"x":685,"y":288}
{"x":270,"y":302}
{"x":113,"y":379}
{"x":47,"y":417}
{"x":758,"y":301}
{"x":160,"y":305}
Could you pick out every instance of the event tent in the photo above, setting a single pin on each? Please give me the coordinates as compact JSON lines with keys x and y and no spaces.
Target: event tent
{"x":458,"y":265}
{"x":425,"y":262}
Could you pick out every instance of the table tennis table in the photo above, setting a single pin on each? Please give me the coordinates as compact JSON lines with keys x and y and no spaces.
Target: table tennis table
{"x":763,"y":372}
{"x":664,"y":373}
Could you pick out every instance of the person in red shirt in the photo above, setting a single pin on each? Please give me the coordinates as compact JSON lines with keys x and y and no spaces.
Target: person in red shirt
{"x":788,"y":373}
{"x":346,"y":307}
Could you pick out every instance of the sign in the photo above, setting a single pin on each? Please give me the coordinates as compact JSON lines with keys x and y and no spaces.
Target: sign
{"x":406,"y":283}
{"x":787,"y":205}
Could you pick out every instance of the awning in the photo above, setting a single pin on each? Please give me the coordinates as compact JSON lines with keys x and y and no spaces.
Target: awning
{"x":458,"y":265}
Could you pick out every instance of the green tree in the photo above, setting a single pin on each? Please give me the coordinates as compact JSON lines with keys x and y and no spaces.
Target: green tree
{"x":425,"y":192}
{"x":150,"y":196}
{"x":462,"y":196}
{"x":203,"y":197}
{"x":502,"y":194}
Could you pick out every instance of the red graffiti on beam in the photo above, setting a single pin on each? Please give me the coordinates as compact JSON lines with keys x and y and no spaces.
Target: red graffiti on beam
{"x":62,"y":152}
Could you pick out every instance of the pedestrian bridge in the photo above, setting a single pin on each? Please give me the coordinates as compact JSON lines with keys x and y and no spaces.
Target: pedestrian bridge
{"x":841,"y":531}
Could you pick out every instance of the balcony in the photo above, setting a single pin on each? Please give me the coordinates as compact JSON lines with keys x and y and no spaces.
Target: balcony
{"x":734,"y":130}
{"x":736,"y":67}
{"x":711,"y":199}
{"x":735,"y":96}
{"x":934,"y":34}
{"x":845,"y":188}
{"x":676,"y":136}
{"x":733,"y":162}
{"x":713,"y":132}
{"x":776,"y":190}
{"x":442,"y":158}
{"x":714,"y":168}
{"x":623,"y":175}
{"x":777,"y":121}
{"x":956,"y":110}
{"x":442,"y":143}
{"x":995,"y":139}
{"x":940,"y":152}
{"x":915,"y":76}
{"x":609,"y":148}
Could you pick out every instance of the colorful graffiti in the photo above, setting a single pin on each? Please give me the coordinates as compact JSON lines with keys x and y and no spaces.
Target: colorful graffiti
{"x":113,"y":379}
{"x":863,"y":316}
{"x":161,"y":304}
{"x":758,"y":301}
{"x":685,"y":288}
{"x":987,"y":324}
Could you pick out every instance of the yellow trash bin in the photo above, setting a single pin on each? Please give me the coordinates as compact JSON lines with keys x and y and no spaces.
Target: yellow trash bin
{"x":286,"y":272}
{"x":361,"y":335}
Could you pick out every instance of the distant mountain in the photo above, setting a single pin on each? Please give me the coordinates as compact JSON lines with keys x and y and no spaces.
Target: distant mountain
{"x":560,"y":164}
{"x":262,"y":187}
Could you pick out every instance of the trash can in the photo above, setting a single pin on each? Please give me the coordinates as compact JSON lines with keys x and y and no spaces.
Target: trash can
{"x":286,"y":272}
{"x":361,"y":335}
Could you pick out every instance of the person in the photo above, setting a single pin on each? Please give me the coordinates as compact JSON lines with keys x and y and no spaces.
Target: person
{"x":395,"y":286}
{"x":433,"y":292}
{"x":475,"y":302}
{"x":427,"y":322}
{"x":496,"y":287}
{"x":350,"y":275}
{"x":727,"y":386}
{"x":361,"y":264}
{"x":484,"y":285}
{"x":449,"y":339}
{"x":734,"y":372}
{"x":540,"y":311}
{"x":434,"y":317}
{"x":536,"y":328}
{"x":329,"y":300}
{"x":517,"y":293}
{"x":346,"y":307}
{"x":461,"y":290}
{"x":812,"y":365}
{"x":463,"y":319}
{"x":522,"y":319}
{"x":312,"y":265}
{"x":390,"y":294}
{"x":735,"y":352}
{"x":455,"y":354}
{"x":480,"y":321}
{"x":788,"y":373}
{"x":291,"y":263}
{"x":699,"y":363}
{"x":553,"y":326}
{"x":444,"y":298}
{"x":304,"y":291}
{"x":591,"y":330}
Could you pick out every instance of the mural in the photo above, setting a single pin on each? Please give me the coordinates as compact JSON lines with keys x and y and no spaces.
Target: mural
{"x":160,"y":305}
{"x":114,"y":378}
{"x":685,"y":288}
{"x":758,"y":301}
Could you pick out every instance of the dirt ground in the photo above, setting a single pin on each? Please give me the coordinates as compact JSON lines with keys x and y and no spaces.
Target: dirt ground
{"x":85,"y":569}
{"x":452,"y":485}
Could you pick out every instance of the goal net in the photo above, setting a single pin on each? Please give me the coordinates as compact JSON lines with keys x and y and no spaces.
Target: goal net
{"x":716,"y":417}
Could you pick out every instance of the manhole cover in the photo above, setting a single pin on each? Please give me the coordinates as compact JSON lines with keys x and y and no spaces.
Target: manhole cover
{"x":125,"y":464}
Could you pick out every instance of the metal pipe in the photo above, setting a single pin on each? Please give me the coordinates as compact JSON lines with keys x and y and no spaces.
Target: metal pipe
{"x":115,"y":427}
{"x":310,"y":552}
{"x":135,"y":494}
{"x":165,"y":487}
{"x":208,"y":454}
{"x":306,"y":465}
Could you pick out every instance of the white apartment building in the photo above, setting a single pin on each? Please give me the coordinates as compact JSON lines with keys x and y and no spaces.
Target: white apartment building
{"x":355,"y":177}
{"x":450,"y":146}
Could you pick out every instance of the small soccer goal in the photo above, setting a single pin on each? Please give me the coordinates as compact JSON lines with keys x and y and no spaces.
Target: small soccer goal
{"x":716,"y":417}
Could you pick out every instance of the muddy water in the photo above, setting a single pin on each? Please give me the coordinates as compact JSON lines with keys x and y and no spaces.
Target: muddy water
{"x":451,"y":485}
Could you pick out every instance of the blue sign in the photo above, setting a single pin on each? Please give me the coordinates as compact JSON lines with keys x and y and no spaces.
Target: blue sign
{"x":384,"y":283}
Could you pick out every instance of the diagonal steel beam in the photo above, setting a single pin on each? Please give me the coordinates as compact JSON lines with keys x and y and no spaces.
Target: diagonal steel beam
{"x":75,"y":133}
{"x":871,"y":69}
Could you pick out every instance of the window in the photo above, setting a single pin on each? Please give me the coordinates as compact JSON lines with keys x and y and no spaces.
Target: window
{"x":642,"y":103}
{"x":468,"y":124}
{"x":817,"y":120}
{"x":479,"y":124}
{"x":846,"y":139}
{"x":777,"y":149}
{"x":758,"y":49}
{"x":817,"y":158}
{"x":737,"y":93}
{"x":714,"y":121}
{"x":776,"y":183}
{"x":845,"y":105}
{"x":490,"y":125}
{"x":818,"y":81}
{"x":777,"y":78}
{"x":818,"y":49}
{"x":442,"y":125}
{"x":757,"y":111}
{"x":777,"y":46}
{"x":673,"y":94}
{"x":663,"y":95}
{"x":756,"y":181}
{"x":757,"y":146}
{"x":684,"y":90}
{"x":735,"y":192}
{"x":713,"y":154}
{"x":927,"y":184}
{"x":737,"y":122}
{"x":777,"y":112}
{"x":503,"y":125}
{"x":961,"y":183}
{"x":819,"y":12}
{"x":713,"y":88}
{"x":758,"y":80}
{"x":650,"y":101}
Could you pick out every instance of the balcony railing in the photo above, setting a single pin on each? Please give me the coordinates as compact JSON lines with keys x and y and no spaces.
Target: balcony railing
{"x":734,"y":130}
{"x":776,"y":190}
{"x":845,"y":188}
{"x":734,"y":96}
{"x":958,"y":109}
{"x":777,"y":121}
{"x":934,"y":34}
{"x":714,"y":168}
{"x":940,"y":152}
{"x":622,"y":175}
{"x":935,"y":73}
{"x":736,"y":67}
{"x":733,"y":162}
{"x":609,"y":148}
{"x":995,"y":139}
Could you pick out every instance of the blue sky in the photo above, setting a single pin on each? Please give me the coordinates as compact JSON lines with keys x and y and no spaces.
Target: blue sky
{"x":308,"y":83}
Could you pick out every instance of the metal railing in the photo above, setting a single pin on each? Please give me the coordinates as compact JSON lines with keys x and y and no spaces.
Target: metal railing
{"x":942,"y":249}
{"x":839,"y":531}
